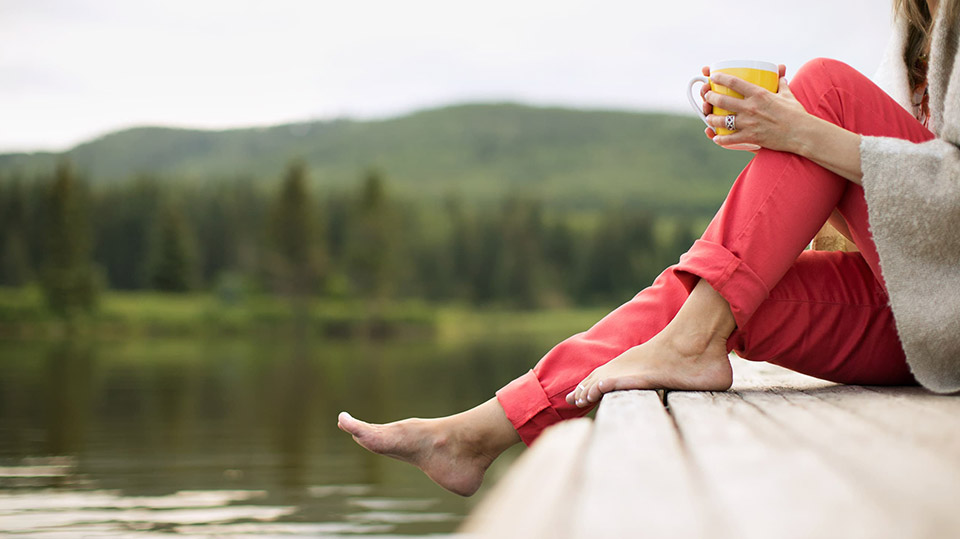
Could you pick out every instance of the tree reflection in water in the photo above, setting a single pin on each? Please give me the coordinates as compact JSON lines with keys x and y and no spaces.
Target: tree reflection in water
{"x":129,"y":419}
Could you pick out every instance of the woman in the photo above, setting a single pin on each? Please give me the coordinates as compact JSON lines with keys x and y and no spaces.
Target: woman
{"x":884,"y":170}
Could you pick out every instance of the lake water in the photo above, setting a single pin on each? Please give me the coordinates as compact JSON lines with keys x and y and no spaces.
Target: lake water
{"x":150,"y":438}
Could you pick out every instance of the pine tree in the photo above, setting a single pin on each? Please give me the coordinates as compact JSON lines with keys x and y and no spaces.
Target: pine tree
{"x":372,"y":249}
{"x":620,"y":259}
{"x":560,"y":251}
{"x":684,"y":235}
{"x":68,"y":275}
{"x":15,"y":267}
{"x":462,"y":249}
{"x":295,"y":251}
{"x":520,"y":275}
{"x":125,"y":219}
{"x":172,"y":263}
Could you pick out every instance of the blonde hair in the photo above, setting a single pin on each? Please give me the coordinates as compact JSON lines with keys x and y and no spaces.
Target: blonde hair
{"x":919,"y":27}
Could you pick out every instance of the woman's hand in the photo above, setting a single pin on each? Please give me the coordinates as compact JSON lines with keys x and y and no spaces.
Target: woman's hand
{"x":767,"y":119}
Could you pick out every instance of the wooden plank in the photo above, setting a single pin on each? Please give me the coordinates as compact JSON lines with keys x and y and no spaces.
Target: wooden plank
{"x":901,"y":444}
{"x":762,"y":480}
{"x":636,"y":480}
{"x":780,"y":455}
{"x":904,"y":461}
{"x":535,"y":497}
{"x":759,"y":375}
{"x":926,"y":419}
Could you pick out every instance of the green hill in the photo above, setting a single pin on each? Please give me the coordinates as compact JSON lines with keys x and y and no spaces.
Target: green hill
{"x":481,"y":152}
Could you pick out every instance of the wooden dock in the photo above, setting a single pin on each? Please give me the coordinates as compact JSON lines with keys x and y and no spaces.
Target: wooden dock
{"x":779,"y":455}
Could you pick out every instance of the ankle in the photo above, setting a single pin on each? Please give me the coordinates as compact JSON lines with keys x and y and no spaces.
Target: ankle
{"x":694,"y":341}
{"x":484,"y":443}
{"x":485,"y":428}
{"x":704,"y":319}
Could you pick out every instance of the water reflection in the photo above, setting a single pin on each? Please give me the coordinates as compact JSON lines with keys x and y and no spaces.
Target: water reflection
{"x":130,"y":435}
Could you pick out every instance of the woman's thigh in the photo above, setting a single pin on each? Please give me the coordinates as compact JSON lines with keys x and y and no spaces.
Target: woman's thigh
{"x":829,"y":318}
{"x":780,"y":200}
{"x":839,"y":94}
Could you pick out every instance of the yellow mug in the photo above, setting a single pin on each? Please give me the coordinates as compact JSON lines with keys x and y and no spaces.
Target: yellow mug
{"x":763,"y":74}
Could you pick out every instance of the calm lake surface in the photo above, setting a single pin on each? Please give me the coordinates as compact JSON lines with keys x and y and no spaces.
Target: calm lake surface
{"x":150,"y":438}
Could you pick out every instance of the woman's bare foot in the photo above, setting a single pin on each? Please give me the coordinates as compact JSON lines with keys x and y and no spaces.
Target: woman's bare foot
{"x":690,"y":353}
{"x":453,"y":451}
{"x":663,"y":362}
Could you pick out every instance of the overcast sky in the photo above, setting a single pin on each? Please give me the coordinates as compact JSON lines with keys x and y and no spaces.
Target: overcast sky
{"x":74,"y":69}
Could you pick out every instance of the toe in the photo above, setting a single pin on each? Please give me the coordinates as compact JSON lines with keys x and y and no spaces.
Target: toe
{"x":626,"y":382}
{"x":594,"y":393}
{"x":583,"y":392}
{"x":580,"y":394}
{"x":573,"y":396}
{"x":347,"y":423}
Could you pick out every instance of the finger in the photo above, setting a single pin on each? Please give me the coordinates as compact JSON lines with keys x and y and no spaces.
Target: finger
{"x":707,"y":108}
{"x":737,"y":137}
{"x":732,"y":104}
{"x":709,"y":132}
{"x":736,"y":84}
{"x":570,"y":398}
{"x":782,"y":69}
{"x":705,"y":70}
{"x":717,"y":121}
{"x":783,"y":88}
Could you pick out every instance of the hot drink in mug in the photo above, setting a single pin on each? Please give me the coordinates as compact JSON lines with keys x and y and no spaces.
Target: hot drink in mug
{"x":763,"y":74}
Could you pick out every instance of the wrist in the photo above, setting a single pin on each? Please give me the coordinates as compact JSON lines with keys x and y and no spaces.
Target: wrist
{"x":808,"y":132}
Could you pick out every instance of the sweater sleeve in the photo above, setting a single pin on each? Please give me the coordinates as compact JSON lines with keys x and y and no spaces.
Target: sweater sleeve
{"x":913,"y":203}
{"x":914,"y":188}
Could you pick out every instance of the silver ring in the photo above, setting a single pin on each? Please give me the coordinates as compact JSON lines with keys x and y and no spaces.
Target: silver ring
{"x":730,"y":122}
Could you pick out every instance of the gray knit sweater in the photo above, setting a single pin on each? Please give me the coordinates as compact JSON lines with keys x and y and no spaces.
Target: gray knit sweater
{"x":913,"y":201}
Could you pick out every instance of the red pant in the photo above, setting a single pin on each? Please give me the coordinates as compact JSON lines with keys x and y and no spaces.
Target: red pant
{"x":825,"y":314}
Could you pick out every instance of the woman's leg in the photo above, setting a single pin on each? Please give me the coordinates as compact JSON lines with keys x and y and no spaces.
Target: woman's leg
{"x":828,"y":318}
{"x":453,"y":451}
{"x":773,"y":210}
{"x":775,"y":207}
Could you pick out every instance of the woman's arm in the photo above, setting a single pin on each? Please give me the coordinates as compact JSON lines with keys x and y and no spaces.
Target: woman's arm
{"x":779,"y":122}
{"x":830,"y":146}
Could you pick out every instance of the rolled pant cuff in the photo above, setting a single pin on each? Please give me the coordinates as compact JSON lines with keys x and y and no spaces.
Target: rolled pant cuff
{"x":730,"y":276}
{"x":527,"y":407}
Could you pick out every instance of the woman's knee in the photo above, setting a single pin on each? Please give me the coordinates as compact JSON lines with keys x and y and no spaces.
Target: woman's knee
{"x":820,"y":75}
{"x":817,"y":82}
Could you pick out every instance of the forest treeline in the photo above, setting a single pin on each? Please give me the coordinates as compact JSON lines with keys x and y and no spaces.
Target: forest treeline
{"x":238,"y":238}
{"x":565,"y":157}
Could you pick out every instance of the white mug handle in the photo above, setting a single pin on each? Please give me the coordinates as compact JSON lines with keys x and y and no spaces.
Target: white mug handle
{"x":693,"y":103}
